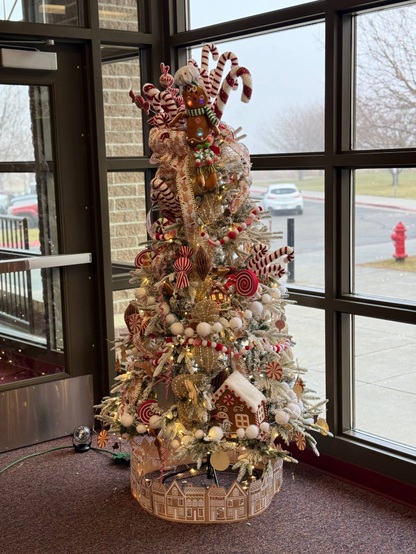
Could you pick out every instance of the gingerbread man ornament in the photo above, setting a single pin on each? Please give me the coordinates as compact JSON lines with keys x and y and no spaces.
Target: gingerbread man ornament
{"x":201,"y":125}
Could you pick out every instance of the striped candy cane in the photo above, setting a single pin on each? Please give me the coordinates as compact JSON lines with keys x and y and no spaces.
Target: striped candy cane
{"x":207,"y":49}
{"x":228,"y":84}
{"x":284,"y":251}
{"x":216,"y":74}
{"x":159,"y":99}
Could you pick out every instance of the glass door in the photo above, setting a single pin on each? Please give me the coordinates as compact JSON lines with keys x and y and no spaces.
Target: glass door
{"x":47,"y":316}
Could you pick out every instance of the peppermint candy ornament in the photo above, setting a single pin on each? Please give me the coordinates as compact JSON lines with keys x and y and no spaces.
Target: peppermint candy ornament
{"x":246,"y":282}
{"x":144,"y":411}
{"x":274,"y":370}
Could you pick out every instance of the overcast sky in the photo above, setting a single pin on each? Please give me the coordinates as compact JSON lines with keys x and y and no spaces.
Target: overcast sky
{"x":287,"y":66}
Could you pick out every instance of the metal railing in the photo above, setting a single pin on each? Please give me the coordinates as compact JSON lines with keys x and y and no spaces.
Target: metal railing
{"x":16,"y":301}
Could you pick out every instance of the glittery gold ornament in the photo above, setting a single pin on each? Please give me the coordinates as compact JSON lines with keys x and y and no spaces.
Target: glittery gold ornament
{"x":206,"y":358}
{"x":186,"y":389}
{"x":205,"y":310}
{"x":210,"y":208}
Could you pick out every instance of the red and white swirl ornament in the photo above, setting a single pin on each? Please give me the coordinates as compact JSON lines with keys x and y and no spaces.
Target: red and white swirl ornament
{"x":246,"y":282}
{"x":144,"y":410}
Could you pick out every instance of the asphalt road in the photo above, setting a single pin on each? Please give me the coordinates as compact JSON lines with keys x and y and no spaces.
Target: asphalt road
{"x":373,"y":225}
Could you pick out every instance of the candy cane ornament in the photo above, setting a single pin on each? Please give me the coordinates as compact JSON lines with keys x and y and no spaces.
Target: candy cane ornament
{"x":228,"y":85}
{"x":216,"y":74}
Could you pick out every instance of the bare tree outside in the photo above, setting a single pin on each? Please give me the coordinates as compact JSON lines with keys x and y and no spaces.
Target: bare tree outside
{"x":16,"y":143}
{"x":298,"y":129}
{"x":385,"y":81}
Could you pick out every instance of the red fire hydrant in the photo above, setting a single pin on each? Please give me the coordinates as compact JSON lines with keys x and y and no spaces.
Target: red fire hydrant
{"x":398,"y":237}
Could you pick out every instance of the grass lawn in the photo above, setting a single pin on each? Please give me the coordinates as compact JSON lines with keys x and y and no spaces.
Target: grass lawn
{"x":374,"y":182}
{"x":408,"y":264}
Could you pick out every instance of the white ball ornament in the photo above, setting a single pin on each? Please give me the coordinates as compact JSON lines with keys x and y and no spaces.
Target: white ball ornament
{"x":256,"y":307}
{"x":215,"y":433}
{"x":203,"y":329}
{"x":171,"y":318}
{"x":175,"y":444}
{"x":177,"y":328}
{"x":154,"y":422}
{"x":248,"y":314}
{"x":165,"y":308}
{"x":141,"y":428}
{"x":199,"y":434}
{"x":252,"y":431}
{"x":217,"y":327}
{"x":276,"y":294}
{"x":281,"y":417}
{"x":151,"y":300}
{"x":294,"y":408}
{"x":235,"y":323}
{"x":126,"y":419}
{"x":266,"y":298}
{"x":189,"y":332}
{"x":241,"y":433}
{"x":264,"y":427}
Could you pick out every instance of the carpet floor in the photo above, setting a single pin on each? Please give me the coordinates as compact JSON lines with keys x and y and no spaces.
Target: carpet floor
{"x":68,"y":502}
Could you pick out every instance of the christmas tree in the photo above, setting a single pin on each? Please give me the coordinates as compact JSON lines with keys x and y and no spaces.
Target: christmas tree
{"x":206,"y":370}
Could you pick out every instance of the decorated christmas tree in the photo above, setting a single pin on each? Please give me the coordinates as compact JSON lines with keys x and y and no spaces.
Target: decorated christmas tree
{"x":206,"y":374}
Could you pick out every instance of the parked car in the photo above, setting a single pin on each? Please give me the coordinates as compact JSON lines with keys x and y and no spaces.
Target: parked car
{"x":283,"y":197}
{"x":25,"y":205}
{"x":5,"y":199}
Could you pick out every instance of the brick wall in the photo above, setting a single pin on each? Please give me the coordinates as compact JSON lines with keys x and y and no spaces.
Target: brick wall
{"x":126,"y":190}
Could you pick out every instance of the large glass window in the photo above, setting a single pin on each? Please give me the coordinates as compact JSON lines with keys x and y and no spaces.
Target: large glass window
{"x":385,"y":107}
{"x":385,"y":379}
{"x":220,"y":11}
{"x":285,"y":113}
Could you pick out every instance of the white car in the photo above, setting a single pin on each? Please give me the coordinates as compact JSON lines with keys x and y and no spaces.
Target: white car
{"x":283,"y":197}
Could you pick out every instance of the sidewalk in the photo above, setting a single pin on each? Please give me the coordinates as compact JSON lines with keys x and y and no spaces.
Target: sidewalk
{"x":406,"y":204}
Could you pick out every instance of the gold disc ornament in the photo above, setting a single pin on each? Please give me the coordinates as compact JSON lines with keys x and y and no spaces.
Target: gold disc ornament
{"x":220,"y":461}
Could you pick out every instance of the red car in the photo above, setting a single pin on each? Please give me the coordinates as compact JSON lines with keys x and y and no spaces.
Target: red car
{"x":25,"y":206}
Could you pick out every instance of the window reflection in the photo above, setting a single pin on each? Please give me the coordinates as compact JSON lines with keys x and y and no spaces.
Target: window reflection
{"x":54,"y":12}
{"x":121,"y":15}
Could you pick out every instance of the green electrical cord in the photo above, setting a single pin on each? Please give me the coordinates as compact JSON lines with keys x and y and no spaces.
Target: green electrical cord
{"x":121,"y":456}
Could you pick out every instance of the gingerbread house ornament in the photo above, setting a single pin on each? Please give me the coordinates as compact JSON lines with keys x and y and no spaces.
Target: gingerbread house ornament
{"x":240,"y":402}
